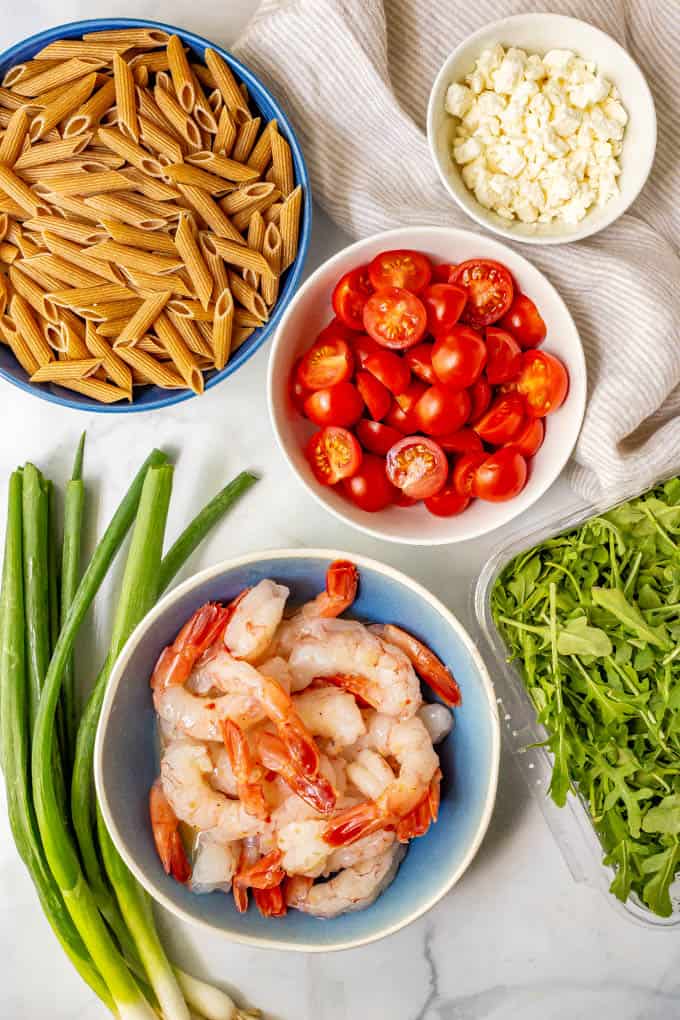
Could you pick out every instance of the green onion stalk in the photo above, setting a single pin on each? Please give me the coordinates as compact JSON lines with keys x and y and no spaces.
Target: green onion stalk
{"x":74,"y":507}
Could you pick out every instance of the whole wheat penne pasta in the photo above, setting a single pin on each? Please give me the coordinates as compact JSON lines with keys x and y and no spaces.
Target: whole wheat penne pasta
{"x":150,"y":187}
{"x":52,"y":96}
{"x":245,"y":139}
{"x":8,"y":253}
{"x":81,"y":233}
{"x":116,"y":370}
{"x":12,"y":142}
{"x":125,"y":211}
{"x":216,"y":266}
{"x":4,"y":225}
{"x":54,"y":334}
{"x":148,"y":108}
{"x":143,"y":319}
{"x":111,"y":328}
{"x":242,"y":317}
{"x":241,"y":219}
{"x":248,"y":297}
{"x":202,"y":112}
{"x":27,"y":69}
{"x":43,"y":279}
{"x":44,"y":175}
{"x":216,"y":103}
{"x":148,"y":284}
{"x":272,"y":249}
{"x":74,"y":297}
{"x":21,"y":350}
{"x":222,"y":328}
{"x":10,"y":100}
{"x":223,"y":141}
{"x":100,"y":157}
{"x":183,"y":173}
{"x":204,"y":75}
{"x":182,"y":358}
{"x":261,"y":155}
{"x":159,"y":140}
{"x":256,"y":229}
{"x":153,"y":62}
{"x":130,"y":151}
{"x":137,"y":238}
{"x":289,"y":225}
{"x":59,"y":269}
{"x":140,"y":38}
{"x":96,"y":389}
{"x":60,"y":74}
{"x":84,"y":184}
{"x":246,"y":197}
{"x":23,"y":315}
{"x":135,"y":258}
{"x":168,"y":211}
{"x":181,"y":74}
{"x":178,"y":117}
{"x":48,"y":118}
{"x":65,"y":49}
{"x":149,"y":345}
{"x":194,"y":262}
{"x":240,"y":255}
{"x":152,"y":369}
{"x":140,"y":75}
{"x":239,"y":336}
{"x":74,"y":254}
{"x":164,"y":81}
{"x":19,"y":192}
{"x":47,"y":153}
{"x":63,"y":371}
{"x":210,"y":212}
{"x":126,"y":102}
{"x":33,"y":293}
{"x":225,"y":81}
{"x":184,"y":308}
{"x":89,"y":114}
{"x":12,"y":208}
{"x":27,"y":247}
{"x":17,"y":234}
{"x":221,"y":166}
{"x":282,"y":164}
{"x":191,"y":334}
{"x":106,"y":310}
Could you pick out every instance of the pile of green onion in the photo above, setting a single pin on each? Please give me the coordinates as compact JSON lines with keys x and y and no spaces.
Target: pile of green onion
{"x":100,"y":914}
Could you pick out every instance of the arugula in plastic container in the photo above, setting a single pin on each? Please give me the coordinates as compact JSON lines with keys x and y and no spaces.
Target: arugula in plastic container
{"x":592,"y":619}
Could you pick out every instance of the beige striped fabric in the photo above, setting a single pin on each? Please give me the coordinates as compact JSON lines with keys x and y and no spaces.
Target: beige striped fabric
{"x":355,"y":76}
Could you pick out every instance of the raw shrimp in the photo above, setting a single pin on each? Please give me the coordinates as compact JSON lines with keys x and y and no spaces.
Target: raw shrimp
{"x":248,"y":773}
{"x":215,"y":863}
{"x":332,"y":714}
{"x":255,"y":619}
{"x":346,"y":653}
{"x":263,"y":874}
{"x":165,"y":828}
{"x":360,"y":852}
{"x":432,"y":670}
{"x":342,"y":579}
{"x":276,"y":757}
{"x":352,"y":889}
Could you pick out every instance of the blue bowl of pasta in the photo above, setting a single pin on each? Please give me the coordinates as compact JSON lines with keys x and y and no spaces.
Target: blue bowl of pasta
{"x":171,"y":360}
{"x":126,"y":759}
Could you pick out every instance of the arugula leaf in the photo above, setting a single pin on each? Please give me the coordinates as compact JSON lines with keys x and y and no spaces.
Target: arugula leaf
{"x":578,"y":638}
{"x":662,"y":868}
{"x":664,"y":817}
{"x":616,"y":603}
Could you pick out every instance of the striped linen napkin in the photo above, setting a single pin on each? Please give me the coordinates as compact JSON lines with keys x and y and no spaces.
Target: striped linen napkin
{"x":355,"y":77}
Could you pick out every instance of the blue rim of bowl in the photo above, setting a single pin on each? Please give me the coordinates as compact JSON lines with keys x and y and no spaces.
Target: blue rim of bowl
{"x":52,"y":393}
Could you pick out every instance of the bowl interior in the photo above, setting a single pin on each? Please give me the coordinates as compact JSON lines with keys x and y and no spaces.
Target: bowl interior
{"x":126,"y":760}
{"x":147,"y":398}
{"x":538,"y":33}
{"x":311,"y":310}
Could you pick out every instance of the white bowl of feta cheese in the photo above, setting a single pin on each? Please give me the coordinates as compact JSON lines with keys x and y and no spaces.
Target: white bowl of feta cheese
{"x":542,"y":128}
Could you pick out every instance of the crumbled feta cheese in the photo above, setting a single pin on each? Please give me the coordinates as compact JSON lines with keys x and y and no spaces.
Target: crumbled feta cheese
{"x":537,"y":138}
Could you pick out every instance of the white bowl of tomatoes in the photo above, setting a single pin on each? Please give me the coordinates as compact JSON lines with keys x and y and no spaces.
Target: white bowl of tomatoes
{"x":427,"y":385}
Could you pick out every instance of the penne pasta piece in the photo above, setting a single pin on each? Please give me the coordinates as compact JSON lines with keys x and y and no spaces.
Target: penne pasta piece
{"x":151,"y":369}
{"x":149,"y":345}
{"x":72,"y":253}
{"x":126,"y":211}
{"x":43,"y":280}
{"x":90,"y":184}
{"x":164,"y":81}
{"x":115,"y":140}
{"x":65,"y":49}
{"x":100,"y":293}
{"x":60,"y":269}
{"x":177,"y":117}
{"x":19,"y":72}
{"x":248,"y":297}
{"x":289,"y":225}
{"x":140,"y":38}
{"x":242,"y":219}
{"x":245,"y":318}
{"x":126,"y":101}
{"x":183,"y":173}
{"x":153,"y":62}
{"x":210,"y":212}
{"x":160,"y":140}
{"x":8,"y":254}
{"x":241,"y":256}
{"x":82,"y":233}
{"x":58,"y":75}
{"x":10,"y":101}
{"x":282,"y":164}
{"x":223,"y":324}
{"x":143,"y":319}
{"x":106,"y":310}
{"x":48,"y":118}
{"x":215,"y":264}
{"x":54,"y":334}
{"x":272,"y":249}
{"x":34,"y":294}
{"x":4,"y":225}
{"x":148,"y":284}
{"x":46,"y":153}
{"x":194,"y":262}
{"x":88,"y":115}
{"x":215,"y":102}
{"x":149,"y":109}
{"x":191,"y":334}
{"x":204,"y":75}
{"x":21,"y":350}
{"x":223,"y":141}
{"x":64,"y":371}
{"x":117,"y":371}
{"x":20,"y":193}
{"x":202,"y":111}
{"x":239,"y":337}
{"x":261,"y":155}
{"x":111,"y":328}
{"x":181,"y":74}
{"x":96,"y":389}
{"x":12,"y":208}
{"x":137,"y":238}
{"x":44,"y":175}
{"x":221,"y":166}
{"x":256,"y":229}
{"x":150,"y":187}
{"x":12,"y":142}
{"x":225,"y":82}
{"x":245,"y":139}
{"x":248,"y":198}
{"x":186,"y":309}
{"x":182,"y":358}
{"x":135,"y":258}
{"x":23,"y":315}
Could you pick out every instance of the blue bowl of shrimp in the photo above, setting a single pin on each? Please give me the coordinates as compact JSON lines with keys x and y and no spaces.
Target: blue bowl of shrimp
{"x":298,"y":750}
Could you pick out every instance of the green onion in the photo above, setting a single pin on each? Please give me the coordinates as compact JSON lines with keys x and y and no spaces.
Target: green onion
{"x":36,"y":582}
{"x":74,"y":505}
{"x":211,"y":1002}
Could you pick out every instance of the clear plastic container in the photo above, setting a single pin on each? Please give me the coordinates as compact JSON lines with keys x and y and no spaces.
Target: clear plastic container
{"x":570,"y":825}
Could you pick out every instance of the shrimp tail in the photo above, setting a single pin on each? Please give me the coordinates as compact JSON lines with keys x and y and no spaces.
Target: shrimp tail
{"x":270,"y":902}
{"x":299,"y":742}
{"x":342,"y":581}
{"x":296,"y":889}
{"x":176,"y":662}
{"x":264,"y":874}
{"x":275,"y":757}
{"x":165,"y":829}
{"x":355,"y":822}
{"x":430,"y":668}
{"x":354,"y":684}
{"x":247,"y":772}
{"x":418,"y":820}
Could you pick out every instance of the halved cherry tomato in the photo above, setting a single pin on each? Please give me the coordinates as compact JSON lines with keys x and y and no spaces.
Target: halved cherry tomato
{"x":503,"y":421}
{"x":376,"y":437}
{"x":417,"y":466}
{"x":411,"y":395}
{"x":419,"y":360}
{"x":444,"y":272}
{"x":501,"y":476}
{"x":389,"y":368}
{"x":461,"y":441}
{"x":505,"y":356}
{"x":369,"y":488}
{"x":376,"y":395}
{"x":336,"y":405}
{"x":480,"y":394}
{"x":400,"y":268}
{"x":326,"y":363}
{"x":444,"y":303}
{"x":402,"y":421}
{"x":363,"y":347}
{"x":458,"y":356}
{"x":350,"y":295}
{"x":448,"y":502}
{"x":441,"y":410}
{"x":333,"y":453}
{"x":463,"y":475}
{"x":543,"y":382}
{"x":530,"y":439}
{"x":395,"y":318}
{"x":489,"y":290}
{"x":297,"y":392}
{"x":524,"y":321}
{"x":336,"y":329}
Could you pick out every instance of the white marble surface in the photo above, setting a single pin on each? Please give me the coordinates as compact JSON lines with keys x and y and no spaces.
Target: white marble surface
{"x":518,"y":938}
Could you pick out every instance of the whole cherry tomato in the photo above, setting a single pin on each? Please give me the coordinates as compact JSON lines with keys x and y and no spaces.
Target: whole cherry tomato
{"x":543,"y":382}
{"x":530,"y":439}
{"x":504,"y":356}
{"x":524,"y":321}
{"x":369,"y":488}
{"x":458,"y":356}
{"x":444,"y":303}
{"x":350,"y":295}
{"x":419,"y":360}
{"x":333,"y":454}
{"x":417,"y":466}
{"x":503,"y":421}
{"x":326,"y":363}
{"x":441,"y":410}
{"x":395,"y":318}
{"x":375,"y":394}
{"x":376,"y":437}
{"x":336,"y":405}
{"x":489,"y":290}
{"x":501,"y":476}
{"x":400,"y":268}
